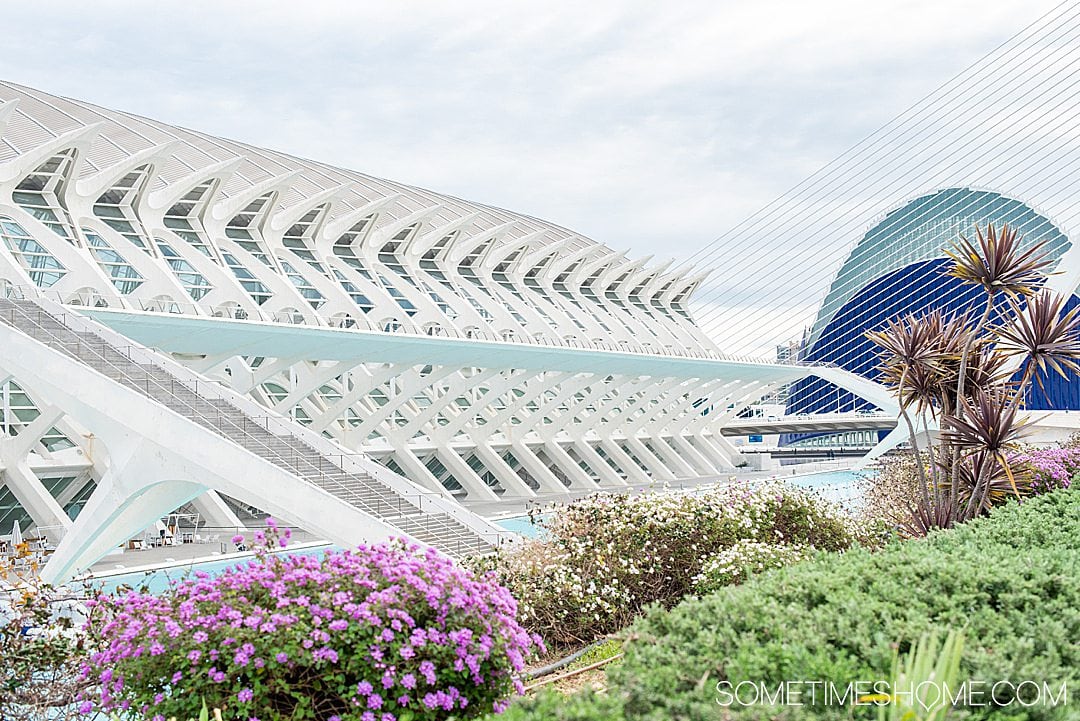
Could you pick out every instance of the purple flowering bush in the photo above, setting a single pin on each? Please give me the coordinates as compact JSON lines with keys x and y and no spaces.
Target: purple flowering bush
{"x":1051,"y":468}
{"x":386,"y":632}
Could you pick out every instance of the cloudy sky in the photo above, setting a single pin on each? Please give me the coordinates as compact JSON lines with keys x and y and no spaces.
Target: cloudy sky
{"x":645,"y":125}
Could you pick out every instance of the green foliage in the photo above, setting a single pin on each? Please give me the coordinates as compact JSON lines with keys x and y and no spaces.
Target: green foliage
{"x":600,"y":652}
{"x":587,"y":705}
{"x":919,"y":682}
{"x":606,"y":557}
{"x":1011,"y":579}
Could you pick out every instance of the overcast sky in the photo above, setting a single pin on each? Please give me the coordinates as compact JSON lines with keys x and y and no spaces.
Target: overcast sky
{"x":644,"y":125}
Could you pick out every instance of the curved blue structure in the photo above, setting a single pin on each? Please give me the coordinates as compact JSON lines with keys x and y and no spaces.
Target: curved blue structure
{"x":899,"y":268}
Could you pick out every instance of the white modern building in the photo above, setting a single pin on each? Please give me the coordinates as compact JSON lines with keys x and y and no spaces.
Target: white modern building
{"x":177,"y":304}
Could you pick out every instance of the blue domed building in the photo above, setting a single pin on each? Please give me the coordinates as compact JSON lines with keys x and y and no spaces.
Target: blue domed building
{"x":898,"y":267}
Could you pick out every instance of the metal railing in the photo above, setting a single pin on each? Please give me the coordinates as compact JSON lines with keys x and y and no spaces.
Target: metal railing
{"x":361,"y":323}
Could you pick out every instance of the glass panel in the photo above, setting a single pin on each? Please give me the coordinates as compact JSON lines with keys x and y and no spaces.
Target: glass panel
{"x":194,"y":282}
{"x":122,"y":274}
{"x":42,"y":267}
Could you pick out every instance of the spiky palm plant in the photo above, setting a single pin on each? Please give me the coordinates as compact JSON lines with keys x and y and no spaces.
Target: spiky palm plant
{"x":1045,"y":337}
{"x":986,"y":423}
{"x":997,"y":263}
{"x":982,"y":483}
{"x":960,"y":372}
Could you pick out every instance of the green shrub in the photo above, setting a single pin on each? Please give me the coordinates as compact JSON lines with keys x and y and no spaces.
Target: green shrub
{"x":606,"y":557}
{"x":587,"y":705}
{"x":1012,"y":580}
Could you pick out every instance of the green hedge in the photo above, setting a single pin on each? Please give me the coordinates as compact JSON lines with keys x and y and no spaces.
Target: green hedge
{"x":1013,"y":579}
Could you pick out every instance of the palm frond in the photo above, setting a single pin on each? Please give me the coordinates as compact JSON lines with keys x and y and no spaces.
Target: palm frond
{"x":996,"y":262}
{"x":1039,"y":330}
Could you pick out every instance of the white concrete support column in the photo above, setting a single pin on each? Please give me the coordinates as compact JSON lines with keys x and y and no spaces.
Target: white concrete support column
{"x":111,"y":516}
{"x":467,"y":477}
{"x":32,"y":495}
{"x":215,"y":511}
{"x":720,"y":445}
{"x":508,"y":477}
{"x":656,"y":467}
{"x":547,"y":480}
{"x":634,"y":472}
{"x":671,"y":458}
{"x":720,"y":459}
{"x":579,"y":479}
{"x":493,"y":461}
{"x":691,"y":455}
{"x":607,"y":474}
{"x":411,"y":463}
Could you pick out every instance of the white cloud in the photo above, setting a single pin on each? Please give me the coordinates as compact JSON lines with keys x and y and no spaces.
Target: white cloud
{"x":649,"y":126}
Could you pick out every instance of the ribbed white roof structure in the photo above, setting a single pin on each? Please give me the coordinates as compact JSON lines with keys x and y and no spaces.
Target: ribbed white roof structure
{"x":472,"y":351}
{"x":226,"y":211}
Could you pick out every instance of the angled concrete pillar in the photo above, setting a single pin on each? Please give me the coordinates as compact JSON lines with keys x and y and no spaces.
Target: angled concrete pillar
{"x":508,"y":477}
{"x":215,"y":511}
{"x":634,"y":472}
{"x":690,"y":454}
{"x":467,"y":477}
{"x":704,"y":444}
{"x":543,"y":475}
{"x":579,"y":479}
{"x":655,"y":465}
{"x":670,"y":457}
{"x":33,"y":496}
{"x":608,"y":476}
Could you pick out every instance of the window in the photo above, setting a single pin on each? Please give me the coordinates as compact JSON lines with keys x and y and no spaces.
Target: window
{"x":122,"y":274}
{"x":115,"y":207}
{"x":296,"y":238}
{"x":361,"y":300}
{"x":194,"y":282}
{"x":428,"y":261}
{"x":310,"y":293}
{"x":258,"y":292}
{"x":42,"y":267}
{"x":243,"y":229}
{"x":351,"y":239}
{"x":39,"y":194}
{"x":182,"y":217}
{"x":404,"y":303}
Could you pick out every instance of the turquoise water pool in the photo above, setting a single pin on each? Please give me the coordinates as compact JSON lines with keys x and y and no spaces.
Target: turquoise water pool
{"x":159,"y":579}
{"x":840,"y":487}
{"x":523,"y":525}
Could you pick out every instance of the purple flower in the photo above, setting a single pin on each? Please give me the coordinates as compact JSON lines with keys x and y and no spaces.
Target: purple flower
{"x":408,"y":603}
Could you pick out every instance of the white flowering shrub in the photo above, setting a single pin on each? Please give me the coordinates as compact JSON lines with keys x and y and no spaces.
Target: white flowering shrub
{"x":605,"y":557}
{"x":744,"y":559}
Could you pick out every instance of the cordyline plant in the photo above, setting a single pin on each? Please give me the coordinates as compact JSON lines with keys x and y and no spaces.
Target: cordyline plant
{"x":387,"y":632}
{"x":970,"y":371}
